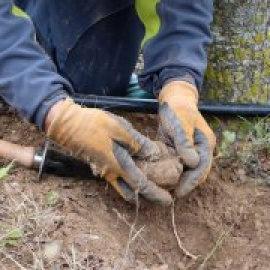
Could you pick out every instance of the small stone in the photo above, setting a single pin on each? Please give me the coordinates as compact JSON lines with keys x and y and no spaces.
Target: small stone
{"x":181,"y":266}
{"x":241,"y":172}
{"x":15,"y":137}
{"x":91,"y":194}
{"x":52,"y":250}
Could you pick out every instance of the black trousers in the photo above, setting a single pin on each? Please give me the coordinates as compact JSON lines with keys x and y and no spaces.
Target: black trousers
{"x":95,"y":44}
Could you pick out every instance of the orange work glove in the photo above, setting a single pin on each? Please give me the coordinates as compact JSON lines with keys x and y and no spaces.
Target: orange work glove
{"x":107,"y":143}
{"x":182,"y":125}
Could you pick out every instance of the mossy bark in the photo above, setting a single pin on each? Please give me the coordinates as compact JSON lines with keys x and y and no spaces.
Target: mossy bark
{"x":239,"y":59}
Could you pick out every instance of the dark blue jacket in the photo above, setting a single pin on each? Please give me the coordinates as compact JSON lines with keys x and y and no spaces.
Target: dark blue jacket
{"x":177,"y":34}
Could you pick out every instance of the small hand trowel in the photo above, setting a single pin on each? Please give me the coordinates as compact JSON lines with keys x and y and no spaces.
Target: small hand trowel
{"x":45,"y":160}
{"x":50,"y":161}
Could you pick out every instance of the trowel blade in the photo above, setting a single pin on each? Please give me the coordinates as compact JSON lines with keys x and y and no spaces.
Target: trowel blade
{"x":66,"y":166}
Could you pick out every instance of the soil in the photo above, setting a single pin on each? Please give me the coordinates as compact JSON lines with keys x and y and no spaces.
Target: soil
{"x":92,"y":216}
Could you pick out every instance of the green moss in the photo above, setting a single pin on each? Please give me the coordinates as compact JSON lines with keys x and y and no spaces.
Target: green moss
{"x":248,"y":53}
{"x":266,"y":55}
{"x":210,"y":73}
{"x":259,"y":38}
{"x":220,"y":77}
{"x":239,"y":54}
{"x":242,"y":41}
{"x":238,"y":77}
{"x":258,"y":55}
{"x":218,"y":20}
{"x":264,"y":92}
{"x":266,"y":72}
{"x":259,"y":19}
{"x":254,"y":90}
{"x":228,"y":78}
{"x":257,"y":74}
{"x":239,"y":62}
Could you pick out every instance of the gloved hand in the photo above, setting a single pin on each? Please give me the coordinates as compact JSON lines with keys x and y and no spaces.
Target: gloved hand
{"x":107,"y":142}
{"x":182,"y":125}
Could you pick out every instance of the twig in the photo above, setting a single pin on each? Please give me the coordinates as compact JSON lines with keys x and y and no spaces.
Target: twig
{"x":122,"y":218}
{"x":180,"y":245}
{"x":218,"y":244}
{"x":3,"y":266}
{"x":123,"y":261}
{"x":13,"y":260}
{"x":136,"y":234}
{"x":132,"y":227}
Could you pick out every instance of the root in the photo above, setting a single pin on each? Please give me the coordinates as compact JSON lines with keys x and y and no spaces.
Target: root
{"x":132,"y":233}
{"x":223,"y":236}
{"x":179,"y":242}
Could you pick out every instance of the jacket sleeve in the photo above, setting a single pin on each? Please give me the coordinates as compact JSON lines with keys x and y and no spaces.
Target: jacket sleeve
{"x":177,"y":33}
{"x":29,"y":81}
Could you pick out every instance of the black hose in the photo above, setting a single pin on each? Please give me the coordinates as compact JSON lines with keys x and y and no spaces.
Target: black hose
{"x":151,"y":106}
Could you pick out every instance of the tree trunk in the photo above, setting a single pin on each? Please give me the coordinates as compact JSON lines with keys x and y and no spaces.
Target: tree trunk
{"x":239,"y":59}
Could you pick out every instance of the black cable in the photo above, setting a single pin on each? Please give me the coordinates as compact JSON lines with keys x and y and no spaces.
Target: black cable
{"x":151,"y":106}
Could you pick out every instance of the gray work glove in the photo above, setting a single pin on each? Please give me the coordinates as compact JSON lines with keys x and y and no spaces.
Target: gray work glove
{"x":107,"y":143}
{"x":185,"y":128}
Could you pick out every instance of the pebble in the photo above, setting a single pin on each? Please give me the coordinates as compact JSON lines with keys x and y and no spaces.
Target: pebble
{"x":52,"y":250}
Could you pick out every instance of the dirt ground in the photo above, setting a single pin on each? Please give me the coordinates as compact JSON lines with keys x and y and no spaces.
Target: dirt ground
{"x":225,"y":222}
